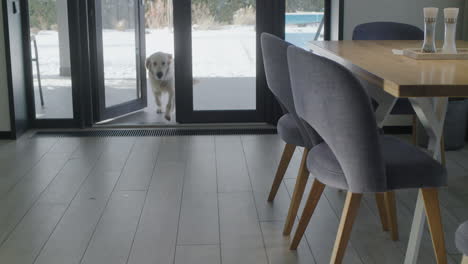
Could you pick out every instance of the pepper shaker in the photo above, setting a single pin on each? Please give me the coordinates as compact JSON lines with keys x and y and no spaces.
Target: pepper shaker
{"x":430,"y":19}
{"x":450,"y":17}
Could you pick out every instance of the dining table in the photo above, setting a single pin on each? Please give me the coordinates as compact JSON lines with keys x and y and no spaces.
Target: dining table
{"x":390,"y":75}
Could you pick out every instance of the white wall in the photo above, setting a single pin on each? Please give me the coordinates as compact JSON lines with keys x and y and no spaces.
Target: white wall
{"x":404,"y":11}
{"x":4,"y":106}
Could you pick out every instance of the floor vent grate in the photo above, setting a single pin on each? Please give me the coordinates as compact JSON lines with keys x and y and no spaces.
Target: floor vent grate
{"x":156,"y":132}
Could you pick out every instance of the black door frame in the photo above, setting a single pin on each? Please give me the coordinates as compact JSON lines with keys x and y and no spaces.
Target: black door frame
{"x":75,"y":50}
{"x":101,"y":112}
{"x":184,"y":73}
{"x":271,"y":19}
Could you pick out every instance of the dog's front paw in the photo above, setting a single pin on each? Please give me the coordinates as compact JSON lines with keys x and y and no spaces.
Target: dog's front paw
{"x":159,"y":111}
{"x":168,"y":117}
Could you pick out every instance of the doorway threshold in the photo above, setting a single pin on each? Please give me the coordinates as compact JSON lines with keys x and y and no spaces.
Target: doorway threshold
{"x":187,"y":126}
{"x":186,"y":130}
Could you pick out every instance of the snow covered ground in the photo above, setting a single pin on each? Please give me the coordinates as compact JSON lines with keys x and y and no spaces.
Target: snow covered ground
{"x":225,"y":52}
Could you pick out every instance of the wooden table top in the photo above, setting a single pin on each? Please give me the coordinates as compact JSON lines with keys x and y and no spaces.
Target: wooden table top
{"x":399,"y":75}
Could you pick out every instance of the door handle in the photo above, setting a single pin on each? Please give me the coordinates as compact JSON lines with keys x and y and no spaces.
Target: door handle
{"x":15,"y":9}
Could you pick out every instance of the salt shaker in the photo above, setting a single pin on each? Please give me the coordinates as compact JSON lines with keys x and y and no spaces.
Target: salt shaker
{"x":430,"y":18}
{"x":451,"y":15}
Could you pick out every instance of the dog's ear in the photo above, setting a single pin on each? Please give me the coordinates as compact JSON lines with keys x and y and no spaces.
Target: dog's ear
{"x":147,"y":63}
{"x":169,"y":56}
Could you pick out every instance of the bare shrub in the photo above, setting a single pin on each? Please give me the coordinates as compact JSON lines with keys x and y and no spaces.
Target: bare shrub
{"x":158,"y":13}
{"x":202,"y":17}
{"x":244,"y":16}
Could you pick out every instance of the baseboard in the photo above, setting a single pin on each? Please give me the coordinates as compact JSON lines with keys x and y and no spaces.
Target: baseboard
{"x":7,"y":135}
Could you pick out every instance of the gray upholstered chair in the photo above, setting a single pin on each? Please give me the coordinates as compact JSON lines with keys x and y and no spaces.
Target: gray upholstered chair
{"x":290,"y":128}
{"x":394,"y":31}
{"x":354,"y":156}
{"x":461,"y":241}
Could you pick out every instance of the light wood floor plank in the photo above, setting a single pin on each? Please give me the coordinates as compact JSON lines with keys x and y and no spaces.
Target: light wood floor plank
{"x":36,"y":227}
{"x":230,"y":163}
{"x":199,"y":213}
{"x":19,"y":160}
{"x":26,"y":241}
{"x":19,"y":200}
{"x":277,"y":246}
{"x":199,"y":219}
{"x":140,"y":165}
{"x":198,"y":254}
{"x":173,"y":149}
{"x":68,"y":182}
{"x":156,"y":236}
{"x":262,"y":161}
{"x":53,"y":192}
{"x":66,"y":145}
{"x":72,"y":234}
{"x":241,"y":237}
{"x":27,"y":145}
{"x":200,"y":173}
{"x":114,"y":234}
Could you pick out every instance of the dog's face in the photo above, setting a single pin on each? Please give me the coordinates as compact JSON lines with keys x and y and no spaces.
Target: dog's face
{"x":159,"y":64}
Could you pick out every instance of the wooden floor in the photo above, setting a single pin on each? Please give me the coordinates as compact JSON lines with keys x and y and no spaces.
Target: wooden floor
{"x":196,"y":200}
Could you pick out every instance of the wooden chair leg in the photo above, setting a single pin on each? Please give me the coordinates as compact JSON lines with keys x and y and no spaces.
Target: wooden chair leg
{"x":282,"y":167}
{"x":464,"y":260}
{"x":442,"y":149}
{"x":312,"y":201}
{"x":350,"y":210}
{"x":431,"y":204}
{"x":390,"y":204}
{"x":380,"y":200}
{"x":301,"y":182}
{"x":414,"y":130}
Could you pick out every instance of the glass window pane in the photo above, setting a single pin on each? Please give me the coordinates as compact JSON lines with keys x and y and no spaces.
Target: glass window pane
{"x":304,"y":19}
{"x":119,"y":51}
{"x":224,"y":55}
{"x":50,"y":55}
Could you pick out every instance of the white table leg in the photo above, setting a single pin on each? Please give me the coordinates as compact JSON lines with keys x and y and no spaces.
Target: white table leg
{"x":385,"y":100}
{"x":431,"y":113}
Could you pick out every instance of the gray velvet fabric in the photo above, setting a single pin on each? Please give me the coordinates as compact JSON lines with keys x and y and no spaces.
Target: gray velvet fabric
{"x":390,"y":31}
{"x":406,"y":166}
{"x":387,"y":31}
{"x":289,"y":131}
{"x":333,"y":102}
{"x":353,"y":156}
{"x":461,"y":238}
{"x":275,"y":61}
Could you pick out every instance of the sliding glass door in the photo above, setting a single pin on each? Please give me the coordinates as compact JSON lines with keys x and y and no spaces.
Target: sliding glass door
{"x":88,"y":57}
{"x":119,"y":54}
{"x":219,"y":69}
{"x":219,"y":61}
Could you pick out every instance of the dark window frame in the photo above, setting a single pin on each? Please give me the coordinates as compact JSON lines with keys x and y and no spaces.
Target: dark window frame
{"x":84,"y":86}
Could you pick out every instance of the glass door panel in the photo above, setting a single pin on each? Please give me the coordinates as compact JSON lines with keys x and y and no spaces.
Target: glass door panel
{"x":50,"y":58}
{"x":224,"y":55}
{"x":304,"y":21}
{"x":120,"y":55}
{"x":119,"y":45}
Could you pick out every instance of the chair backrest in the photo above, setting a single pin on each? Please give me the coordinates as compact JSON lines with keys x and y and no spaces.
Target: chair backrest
{"x":335,"y":104}
{"x":275,"y":61}
{"x":387,"y":31}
